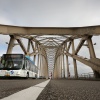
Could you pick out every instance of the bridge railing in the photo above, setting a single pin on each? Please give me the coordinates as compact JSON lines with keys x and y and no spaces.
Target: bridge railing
{"x":87,"y":75}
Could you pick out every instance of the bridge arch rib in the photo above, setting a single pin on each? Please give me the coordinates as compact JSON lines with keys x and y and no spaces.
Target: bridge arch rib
{"x":93,"y":62}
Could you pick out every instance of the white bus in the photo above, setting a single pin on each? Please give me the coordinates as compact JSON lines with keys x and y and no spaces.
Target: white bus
{"x":17,"y":65}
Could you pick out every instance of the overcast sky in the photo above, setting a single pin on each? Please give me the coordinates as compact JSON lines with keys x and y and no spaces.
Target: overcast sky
{"x":67,"y":13}
{"x":50,"y":13}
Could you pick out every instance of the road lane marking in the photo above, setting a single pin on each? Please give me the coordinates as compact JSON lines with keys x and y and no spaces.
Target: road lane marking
{"x":28,"y":94}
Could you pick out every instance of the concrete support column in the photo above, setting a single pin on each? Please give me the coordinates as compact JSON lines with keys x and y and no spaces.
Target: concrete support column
{"x":63,"y":66}
{"x":74,"y":61}
{"x":55,"y":71}
{"x":43,"y":67}
{"x":92,"y":55}
{"x":57,"y":66}
{"x":75,"y":68}
{"x":45,"y":72}
{"x":46,"y":76}
{"x":38,"y":64}
{"x":68,"y":73}
{"x":59,"y":61}
{"x":10,"y":45}
{"x":46,"y":65}
{"x":91,"y":48}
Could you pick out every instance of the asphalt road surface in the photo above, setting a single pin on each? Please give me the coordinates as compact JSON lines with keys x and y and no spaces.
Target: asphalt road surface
{"x":71,"y":90}
{"x":10,"y":86}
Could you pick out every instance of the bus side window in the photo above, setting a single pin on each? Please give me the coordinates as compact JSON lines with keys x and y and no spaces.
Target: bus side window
{"x":25,"y":64}
{"x":33,"y":68}
{"x":28,"y":66}
{"x":36,"y":70}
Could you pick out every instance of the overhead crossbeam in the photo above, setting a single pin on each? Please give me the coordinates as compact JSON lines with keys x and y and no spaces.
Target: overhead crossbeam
{"x":13,"y":30}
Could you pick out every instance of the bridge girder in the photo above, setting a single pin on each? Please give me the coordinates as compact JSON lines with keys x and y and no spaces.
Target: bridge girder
{"x":13,"y":30}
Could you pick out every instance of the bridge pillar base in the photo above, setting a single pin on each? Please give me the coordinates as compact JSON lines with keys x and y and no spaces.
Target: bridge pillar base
{"x":96,"y":74}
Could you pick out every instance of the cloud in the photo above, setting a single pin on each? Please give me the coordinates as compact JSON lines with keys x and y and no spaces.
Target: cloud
{"x":4,"y":20}
{"x":52,"y":13}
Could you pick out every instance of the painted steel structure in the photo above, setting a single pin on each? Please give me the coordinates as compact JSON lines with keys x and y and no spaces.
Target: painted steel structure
{"x":51,"y":51}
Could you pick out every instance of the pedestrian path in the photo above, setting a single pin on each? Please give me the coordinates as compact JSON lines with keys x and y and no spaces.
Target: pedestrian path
{"x":28,"y":94}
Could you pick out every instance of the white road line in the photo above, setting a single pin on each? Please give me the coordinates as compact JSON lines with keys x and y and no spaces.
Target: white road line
{"x":28,"y":94}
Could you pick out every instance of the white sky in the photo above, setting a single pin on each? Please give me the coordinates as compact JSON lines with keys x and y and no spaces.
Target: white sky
{"x":51,"y":13}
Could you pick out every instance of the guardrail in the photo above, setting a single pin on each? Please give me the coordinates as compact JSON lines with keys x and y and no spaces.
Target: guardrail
{"x":87,"y":75}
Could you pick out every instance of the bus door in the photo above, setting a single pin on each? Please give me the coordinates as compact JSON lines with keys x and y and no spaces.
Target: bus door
{"x":25,"y":68}
{"x":28,"y":69}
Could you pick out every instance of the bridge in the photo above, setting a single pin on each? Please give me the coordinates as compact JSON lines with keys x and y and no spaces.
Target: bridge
{"x":53,"y":49}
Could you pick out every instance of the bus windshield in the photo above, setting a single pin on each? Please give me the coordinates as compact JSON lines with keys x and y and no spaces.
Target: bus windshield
{"x":12,"y":64}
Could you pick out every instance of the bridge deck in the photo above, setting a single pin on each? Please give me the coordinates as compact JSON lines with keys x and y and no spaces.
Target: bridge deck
{"x":71,"y":90}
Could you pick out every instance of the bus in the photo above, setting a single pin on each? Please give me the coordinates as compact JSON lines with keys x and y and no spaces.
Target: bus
{"x":17,"y":65}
